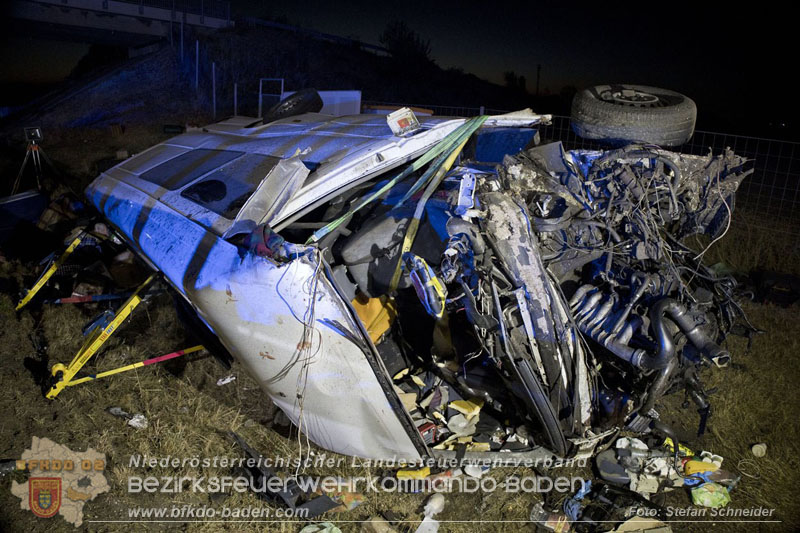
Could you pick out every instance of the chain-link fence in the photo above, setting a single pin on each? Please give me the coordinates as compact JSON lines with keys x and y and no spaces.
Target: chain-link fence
{"x":768,"y":200}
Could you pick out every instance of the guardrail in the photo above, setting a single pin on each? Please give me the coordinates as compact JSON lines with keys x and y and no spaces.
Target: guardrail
{"x":207,"y":8}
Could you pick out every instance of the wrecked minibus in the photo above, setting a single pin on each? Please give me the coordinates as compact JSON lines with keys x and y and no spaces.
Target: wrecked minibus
{"x":399,"y":297}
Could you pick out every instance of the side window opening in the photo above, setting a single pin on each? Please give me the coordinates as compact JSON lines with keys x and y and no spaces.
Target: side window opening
{"x":184,"y":169}
{"x":226,"y":189}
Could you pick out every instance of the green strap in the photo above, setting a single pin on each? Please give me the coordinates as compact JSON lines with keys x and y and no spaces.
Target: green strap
{"x":442,"y":149}
{"x":473,"y":124}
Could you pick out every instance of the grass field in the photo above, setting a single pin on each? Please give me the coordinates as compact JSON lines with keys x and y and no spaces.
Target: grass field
{"x":189,"y":415}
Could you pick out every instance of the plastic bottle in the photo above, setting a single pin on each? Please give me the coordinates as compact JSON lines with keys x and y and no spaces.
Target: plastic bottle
{"x":547,"y":521}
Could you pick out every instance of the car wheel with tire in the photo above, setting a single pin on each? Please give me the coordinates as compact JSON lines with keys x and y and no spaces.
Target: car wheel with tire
{"x":633,"y":113}
{"x":303,"y":101}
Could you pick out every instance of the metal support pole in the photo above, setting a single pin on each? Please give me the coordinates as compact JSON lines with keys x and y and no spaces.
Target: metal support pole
{"x":37,"y":165}
{"x":235,"y":99}
{"x":21,"y":170}
{"x":47,"y":274}
{"x":181,"y":40}
{"x":214,"y":90}
{"x":260,"y":84}
{"x":196,"y":64}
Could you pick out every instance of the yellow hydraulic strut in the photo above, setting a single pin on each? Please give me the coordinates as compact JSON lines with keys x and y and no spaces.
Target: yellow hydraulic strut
{"x":54,"y":266}
{"x":62,"y":375}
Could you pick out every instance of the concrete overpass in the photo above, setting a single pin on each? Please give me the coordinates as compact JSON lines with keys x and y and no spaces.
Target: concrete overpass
{"x":130,"y":23}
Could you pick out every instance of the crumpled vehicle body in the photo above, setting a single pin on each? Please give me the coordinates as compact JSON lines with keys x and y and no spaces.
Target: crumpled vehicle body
{"x":526,"y":308}
{"x":610,"y":227}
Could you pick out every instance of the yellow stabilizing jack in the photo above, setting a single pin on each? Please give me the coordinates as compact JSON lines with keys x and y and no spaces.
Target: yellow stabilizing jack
{"x":54,"y":266}
{"x":62,"y":375}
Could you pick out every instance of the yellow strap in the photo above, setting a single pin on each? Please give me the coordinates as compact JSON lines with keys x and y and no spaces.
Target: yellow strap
{"x":413,"y":225}
{"x":54,"y":266}
{"x":95,"y":342}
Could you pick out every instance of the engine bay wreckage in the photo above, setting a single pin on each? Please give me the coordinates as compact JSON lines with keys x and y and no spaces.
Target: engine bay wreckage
{"x":403,"y":295}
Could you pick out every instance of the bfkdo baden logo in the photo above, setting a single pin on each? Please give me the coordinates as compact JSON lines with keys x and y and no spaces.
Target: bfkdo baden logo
{"x":61,"y":480}
{"x":44,"y":496}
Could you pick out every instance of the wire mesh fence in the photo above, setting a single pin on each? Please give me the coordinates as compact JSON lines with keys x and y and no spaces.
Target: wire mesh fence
{"x":768,"y":200}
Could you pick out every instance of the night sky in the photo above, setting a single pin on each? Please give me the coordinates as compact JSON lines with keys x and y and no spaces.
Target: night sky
{"x":736,"y":63}
{"x":732,"y":61}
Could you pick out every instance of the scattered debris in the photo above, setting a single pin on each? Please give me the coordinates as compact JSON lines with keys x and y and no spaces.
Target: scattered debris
{"x":776,"y":288}
{"x":598,"y":506}
{"x":632,"y":464}
{"x":7,"y":466}
{"x":419,"y":473}
{"x":347,"y":499}
{"x":476,"y":471}
{"x":639,"y":524}
{"x":138,"y":420}
{"x":230,"y":378}
{"x":402,"y":121}
{"x":549,"y":521}
{"x":322,"y":527}
{"x":759,"y":450}
{"x":711,"y":495}
{"x":288,"y":493}
{"x":443,"y":479}
{"x":433,"y":506}
{"x":377,"y":524}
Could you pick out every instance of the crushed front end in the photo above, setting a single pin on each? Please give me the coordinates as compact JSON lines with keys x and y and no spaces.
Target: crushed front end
{"x":553,"y":294}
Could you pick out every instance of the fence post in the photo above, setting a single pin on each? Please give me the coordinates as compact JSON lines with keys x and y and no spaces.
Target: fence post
{"x":260,"y":82}
{"x":172,"y":26}
{"x":214,"y":90}
{"x":235,"y":99}
{"x":481,"y":111}
{"x":181,"y":41}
